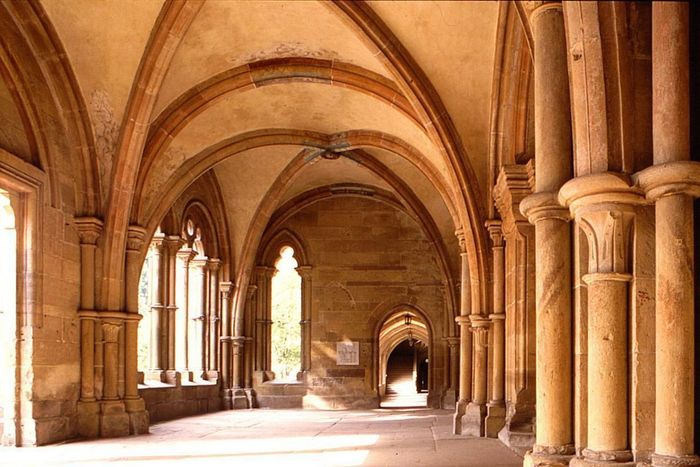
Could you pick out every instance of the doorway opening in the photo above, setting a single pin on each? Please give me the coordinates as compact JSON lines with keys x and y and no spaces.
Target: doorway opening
{"x":404,"y":360}
{"x":286,"y":317}
{"x":8,"y":317}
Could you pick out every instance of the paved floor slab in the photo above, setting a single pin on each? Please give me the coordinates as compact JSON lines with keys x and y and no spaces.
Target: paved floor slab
{"x":259,"y":438}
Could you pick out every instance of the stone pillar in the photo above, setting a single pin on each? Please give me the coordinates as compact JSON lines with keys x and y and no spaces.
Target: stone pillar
{"x":213,"y":266}
{"x":604,"y":208}
{"x":157,"y":355}
{"x":449,"y":400}
{"x":269,"y":273}
{"x":197,"y":302}
{"x":89,"y":230}
{"x":553,"y":158}
{"x":496,"y":407}
{"x":465,"y":340}
{"x":305,"y":323}
{"x":474,"y":418}
{"x":672,"y":182}
{"x":171,"y":245}
{"x":239,"y":399}
{"x":184,"y":256}
{"x":250,"y":333}
{"x":226,"y":378}
{"x":134,"y":404}
{"x":114,"y":421}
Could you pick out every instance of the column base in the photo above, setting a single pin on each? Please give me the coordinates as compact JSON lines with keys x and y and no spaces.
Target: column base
{"x":226,"y":399}
{"x":250,"y":397}
{"x":474,"y":420}
{"x":547,"y":460}
{"x":139,"y":419}
{"x":449,"y":399}
{"x":593,"y":458}
{"x":114,"y":421}
{"x":171,"y":377}
{"x":458,"y":419}
{"x":496,"y":418}
{"x":88,"y":419}
{"x":662,"y":460}
{"x":239,"y":399}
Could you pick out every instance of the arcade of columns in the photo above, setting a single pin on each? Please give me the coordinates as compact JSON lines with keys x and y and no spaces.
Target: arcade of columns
{"x":584,"y":217}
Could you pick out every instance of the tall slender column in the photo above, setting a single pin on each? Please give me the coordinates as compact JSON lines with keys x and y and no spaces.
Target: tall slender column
{"x":198,"y":299}
{"x":260,"y":318}
{"x":226,"y":378}
{"x":465,"y":340}
{"x":604,"y":208}
{"x":269,"y":272}
{"x":496,"y":406}
{"x":672,"y":183}
{"x":89,"y":230}
{"x":184,"y":256}
{"x":250,"y":336}
{"x":171,"y":246}
{"x":213,"y":266}
{"x":553,"y":158}
{"x":157,"y":304}
{"x":305,"y":323}
{"x":452,"y":362}
{"x":134,"y":404}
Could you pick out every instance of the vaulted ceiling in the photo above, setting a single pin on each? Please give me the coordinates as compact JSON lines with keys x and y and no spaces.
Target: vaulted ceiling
{"x":279,"y":98}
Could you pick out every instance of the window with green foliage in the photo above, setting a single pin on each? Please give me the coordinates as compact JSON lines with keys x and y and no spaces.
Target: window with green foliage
{"x":144,"y":332}
{"x":286,"y":314}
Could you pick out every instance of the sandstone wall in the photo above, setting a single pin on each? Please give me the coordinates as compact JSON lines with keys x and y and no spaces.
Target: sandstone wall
{"x":367,"y":258}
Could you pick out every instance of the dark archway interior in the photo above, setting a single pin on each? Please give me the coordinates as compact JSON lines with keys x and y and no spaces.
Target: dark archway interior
{"x":407,"y":373}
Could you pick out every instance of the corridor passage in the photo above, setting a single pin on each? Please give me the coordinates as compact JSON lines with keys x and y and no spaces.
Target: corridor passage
{"x":283,"y":438}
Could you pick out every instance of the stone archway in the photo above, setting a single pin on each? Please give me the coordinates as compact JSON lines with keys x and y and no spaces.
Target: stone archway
{"x":405,"y":332}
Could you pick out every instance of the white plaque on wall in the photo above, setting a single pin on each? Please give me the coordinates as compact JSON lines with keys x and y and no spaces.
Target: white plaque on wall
{"x":347,"y":353}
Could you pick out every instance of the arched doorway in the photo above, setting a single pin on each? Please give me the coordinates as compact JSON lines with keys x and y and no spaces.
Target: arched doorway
{"x":8,"y":316}
{"x":404,"y":343}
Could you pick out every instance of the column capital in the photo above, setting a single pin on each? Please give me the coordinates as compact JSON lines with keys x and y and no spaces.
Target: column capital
{"x":495,"y":229}
{"x":671,"y":178}
{"x":452,"y":341}
{"x":543,"y":205}
{"x":214,"y":264}
{"x":89,"y":229}
{"x":304,"y":271}
{"x":110,"y":331}
{"x":479,"y":321}
{"x":463,"y":320}
{"x":497,"y":317}
{"x":173,"y":243}
{"x":590,"y":192}
{"x":226,"y":288}
{"x":540,"y":6}
{"x":459,"y":233}
{"x":186,"y":254}
{"x":157,"y":243}
{"x":252,"y":289}
{"x":135,"y":237}
{"x":198,"y":262}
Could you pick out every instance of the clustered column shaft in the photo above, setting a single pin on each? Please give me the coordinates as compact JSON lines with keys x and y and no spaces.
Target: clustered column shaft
{"x":465,"y":340}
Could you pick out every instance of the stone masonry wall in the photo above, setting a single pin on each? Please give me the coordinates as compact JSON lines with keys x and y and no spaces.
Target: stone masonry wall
{"x":367,"y":257}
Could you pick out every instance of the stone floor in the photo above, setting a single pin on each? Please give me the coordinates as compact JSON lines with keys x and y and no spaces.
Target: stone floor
{"x":262,"y":437}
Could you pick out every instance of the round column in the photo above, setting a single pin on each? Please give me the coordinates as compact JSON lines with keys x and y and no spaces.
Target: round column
{"x":465,"y":340}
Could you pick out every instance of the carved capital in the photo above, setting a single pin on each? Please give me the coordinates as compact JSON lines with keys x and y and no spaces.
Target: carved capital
{"x":186,"y":255}
{"x":135,"y":238}
{"x":461,"y":239}
{"x":463,"y":320}
{"x":214,"y":264}
{"x":452,"y":341}
{"x":564,"y":450}
{"x":304,"y":272}
{"x":672,"y":178}
{"x":173,"y":243}
{"x":110,"y":331}
{"x":608,"y":233}
{"x":89,"y":229}
{"x":252,"y":289}
{"x":226,"y":288}
{"x":495,"y":232}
